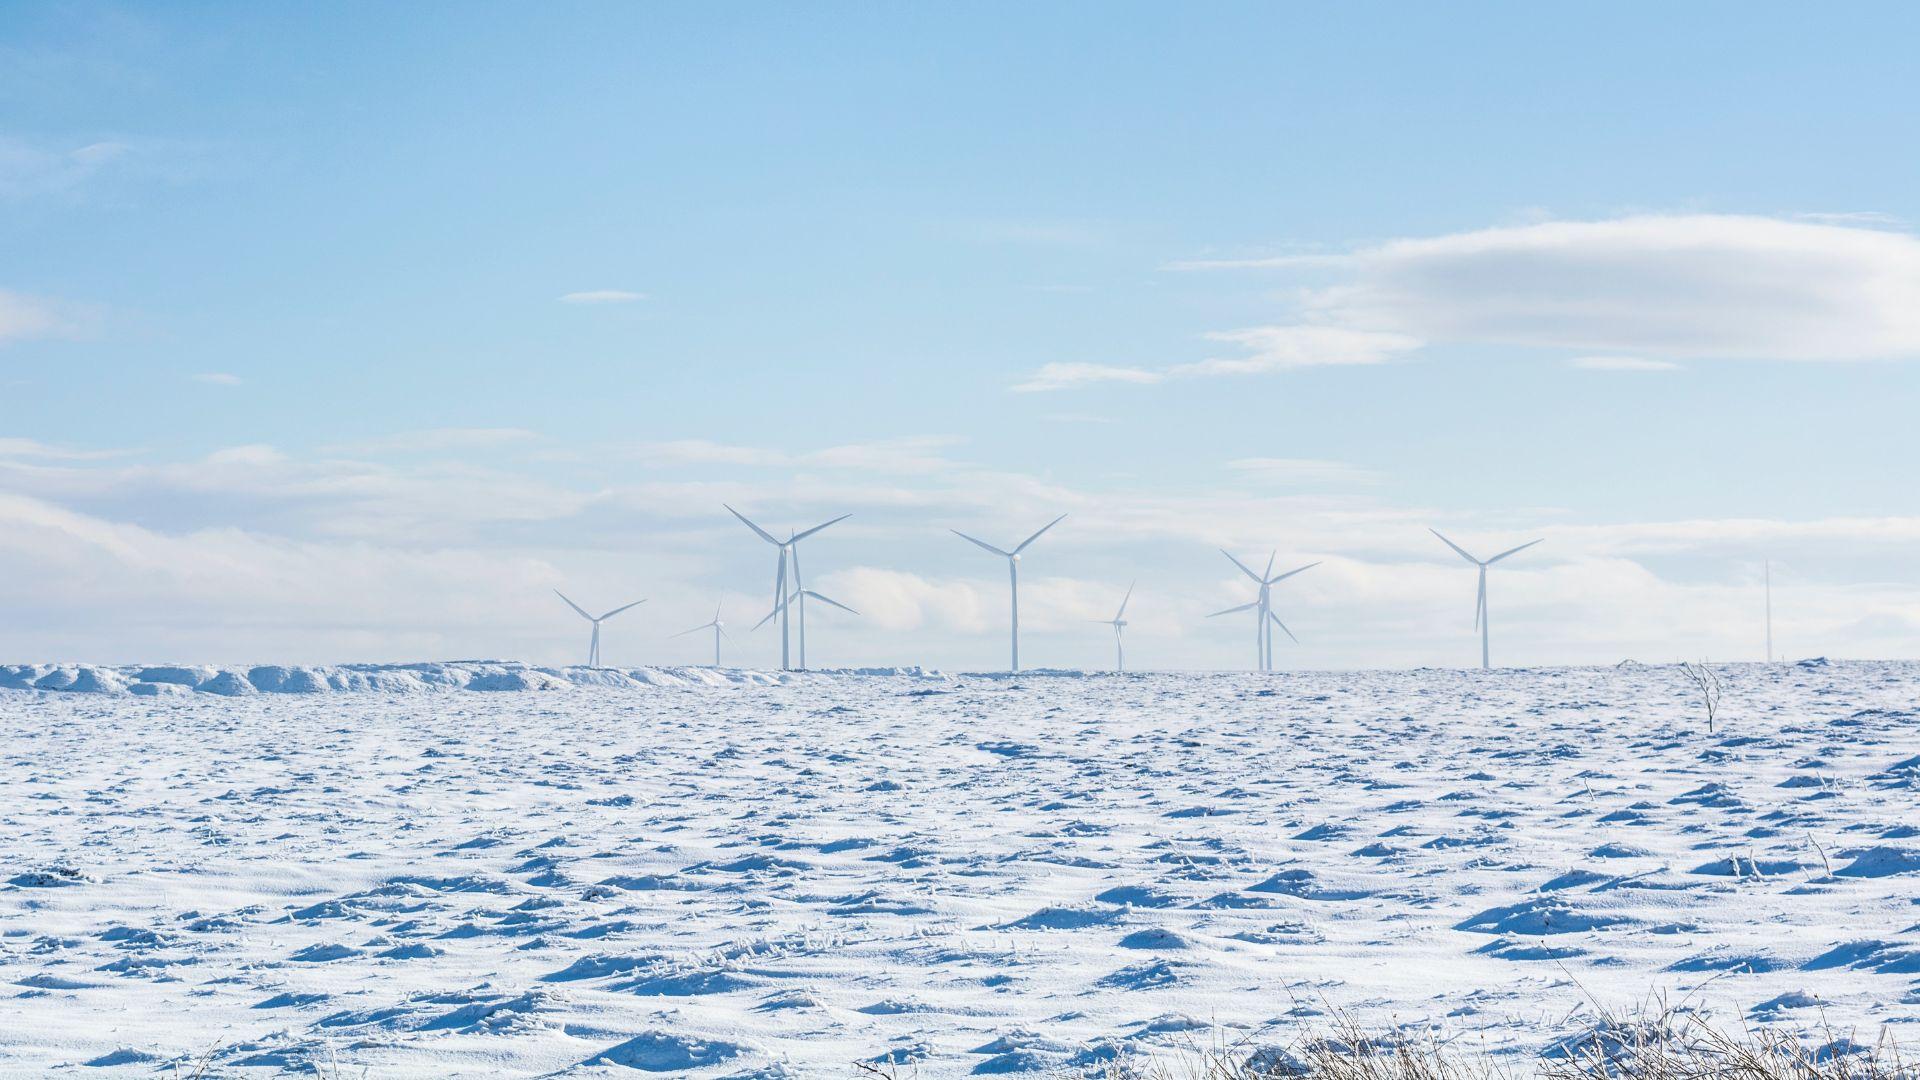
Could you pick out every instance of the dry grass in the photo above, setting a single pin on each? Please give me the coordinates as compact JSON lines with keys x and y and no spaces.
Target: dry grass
{"x":1656,"y":1043}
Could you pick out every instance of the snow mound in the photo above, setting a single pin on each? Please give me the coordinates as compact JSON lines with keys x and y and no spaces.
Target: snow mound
{"x":172,"y":681}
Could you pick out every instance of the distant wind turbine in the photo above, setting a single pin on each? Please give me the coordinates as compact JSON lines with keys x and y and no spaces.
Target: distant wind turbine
{"x":798,"y":599}
{"x":1013,"y":574}
{"x":719,"y":630}
{"x":593,"y":648}
{"x":1480,"y":614}
{"x":1263,"y":605}
{"x":780,"y":606}
{"x":1119,"y":624}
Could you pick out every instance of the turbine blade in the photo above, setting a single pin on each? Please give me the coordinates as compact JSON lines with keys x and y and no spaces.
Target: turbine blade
{"x":1283,"y":628}
{"x":1456,"y":547}
{"x":1513,"y":551}
{"x":829,"y":601}
{"x":1290,"y":573}
{"x":574,"y":606}
{"x":802,"y":536}
{"x":1122,"y":613}
{"x":764,"y":534}
{"x":695,"y":630}
{"x":1036,"y":536}
{"x":981,"y":543}
{"x":1271,"y":555}
{"x":1238,"y":563}
{"x":1231,"y":610}
{"x":1480,"y":600}
{"x":618,"y":610}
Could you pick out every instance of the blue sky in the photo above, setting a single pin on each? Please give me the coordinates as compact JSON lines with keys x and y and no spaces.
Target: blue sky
{"x":347,"y":333}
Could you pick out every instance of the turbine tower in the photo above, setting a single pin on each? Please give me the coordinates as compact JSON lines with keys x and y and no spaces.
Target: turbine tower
{"x":780,"y":579}
{"x":593,"y":647}
{"x":1480,"y":614}
{"x":1263,"y":605}
{"x":719,"y":630}
{"x":1013,"y":575}
{"x":1119,"y":624}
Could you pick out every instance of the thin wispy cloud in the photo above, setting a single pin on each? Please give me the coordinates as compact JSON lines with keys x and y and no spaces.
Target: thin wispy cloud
{"x":913,"y":454}
{"x":1279,"y":348}
{"x":1304,"y":471}
{"x":30,"y":169}
{"x":602,"y":296}
{"x":1622,"y":363}
{"x":217,"y":378}
{"x":1064,"y":376}
{"x":1264,"y":349}
{"x":430,"y":440}
{"x":34,"y":449}
{"x":24,"y":317}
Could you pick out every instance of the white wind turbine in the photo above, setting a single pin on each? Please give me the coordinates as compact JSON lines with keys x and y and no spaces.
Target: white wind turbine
{"x":593,"y":647}
{"x":1013,"y":574}
{"x":719,"y":630}
{"x":1480,"y":605}
{"x":798,"y":599}
{"x":1119,"y":624}
{"x":780,"y":606}
{"x":1263,"y":604}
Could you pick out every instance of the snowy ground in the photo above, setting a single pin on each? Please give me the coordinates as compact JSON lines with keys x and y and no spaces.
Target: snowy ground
{"x":757,"y":877}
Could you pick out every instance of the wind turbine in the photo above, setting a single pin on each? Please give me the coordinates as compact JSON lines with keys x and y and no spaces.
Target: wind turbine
{"x":593,"y":648}
{"x":801,"y":591}
{"x":1263,"y":603}
{"x":1480,"y":606}
{"x":780,"y":579}
{"x":1119,"y":624}
{"x":719,"y":630}
{"x":1013,"y":574}
{"x":798,"y":598}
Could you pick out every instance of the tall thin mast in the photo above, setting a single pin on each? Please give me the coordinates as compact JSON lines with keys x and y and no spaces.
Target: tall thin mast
{"x":1767,"y":570}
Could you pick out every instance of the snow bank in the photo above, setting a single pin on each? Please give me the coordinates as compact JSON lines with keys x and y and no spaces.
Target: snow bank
{"x":168,"y":681}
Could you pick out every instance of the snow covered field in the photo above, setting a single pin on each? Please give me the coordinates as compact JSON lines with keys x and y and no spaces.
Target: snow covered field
{"x":741,"y":874}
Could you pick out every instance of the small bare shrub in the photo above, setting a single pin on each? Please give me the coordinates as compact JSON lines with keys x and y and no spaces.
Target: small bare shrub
{"x":1706,"y":682}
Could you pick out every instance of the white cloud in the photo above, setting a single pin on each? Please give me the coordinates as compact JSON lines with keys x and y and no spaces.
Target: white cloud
{"x":1699,"y":285}
{"x":1304,"y":471}
{"x":250,"y":456}
{"x":1820,"y":287}
{"x":1277,"y":348}
{"x":431,"y":440}
{"x":25,"y":317}
{"x":602,"y":296}
{"x":286,"y":556}
{"x":1622,"y":363}
{"x":1062,"y":376}
{"x":1268,"y":348}
{"x":32,"y":448}
{"x":217,"y":378}
{"x":896,"y":600}
{"x":912,"y":454}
